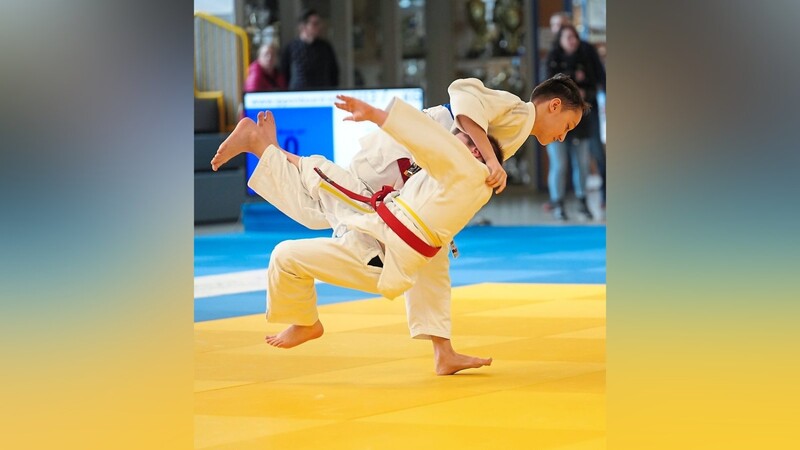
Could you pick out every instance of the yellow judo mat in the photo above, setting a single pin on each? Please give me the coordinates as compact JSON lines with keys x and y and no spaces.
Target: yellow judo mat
{"x":365,"y":384}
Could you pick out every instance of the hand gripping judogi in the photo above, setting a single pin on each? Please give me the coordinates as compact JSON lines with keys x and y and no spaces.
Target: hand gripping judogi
{"x":434,"y":205}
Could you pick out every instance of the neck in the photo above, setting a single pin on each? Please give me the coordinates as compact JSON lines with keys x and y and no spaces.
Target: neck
{"x":540,"y":109}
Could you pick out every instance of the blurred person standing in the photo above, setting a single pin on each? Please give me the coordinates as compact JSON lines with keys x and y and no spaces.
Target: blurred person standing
{"x":308,"y":60}
{"x":264,"y":74}
{"x":579,"y":60}
{"x":558,"y":20}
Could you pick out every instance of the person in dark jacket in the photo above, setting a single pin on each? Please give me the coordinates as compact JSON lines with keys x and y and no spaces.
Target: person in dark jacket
{"x":580,"y":61}
{"x":309,"y":61}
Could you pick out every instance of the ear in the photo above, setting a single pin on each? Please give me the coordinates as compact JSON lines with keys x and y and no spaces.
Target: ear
{"x":555,"y":105}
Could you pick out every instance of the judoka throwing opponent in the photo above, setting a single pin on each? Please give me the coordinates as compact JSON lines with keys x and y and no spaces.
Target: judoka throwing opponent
{"x":432,"y":206}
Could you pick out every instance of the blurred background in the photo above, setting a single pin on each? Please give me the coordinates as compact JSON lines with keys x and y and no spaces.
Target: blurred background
{"x":242,"y":58}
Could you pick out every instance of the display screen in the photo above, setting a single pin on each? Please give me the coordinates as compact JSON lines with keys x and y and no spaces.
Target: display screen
{"x":309,"y":124}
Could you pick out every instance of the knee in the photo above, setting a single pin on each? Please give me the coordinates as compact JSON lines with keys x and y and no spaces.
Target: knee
{"x":284,"y":255}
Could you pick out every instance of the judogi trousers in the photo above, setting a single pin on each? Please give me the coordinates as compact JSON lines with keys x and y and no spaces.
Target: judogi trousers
{"x":342,"y":260}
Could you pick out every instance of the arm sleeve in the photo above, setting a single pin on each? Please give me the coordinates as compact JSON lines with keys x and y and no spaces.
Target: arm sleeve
{"x":434,"y":149}
{"x":469,"y":97}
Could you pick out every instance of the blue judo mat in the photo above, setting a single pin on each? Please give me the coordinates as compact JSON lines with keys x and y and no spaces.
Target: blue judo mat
{"x":531,"y":254}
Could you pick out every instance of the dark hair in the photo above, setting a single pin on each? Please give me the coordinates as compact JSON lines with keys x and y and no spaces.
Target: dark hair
{"x":498,"y":151}
{"x":561,"y":87}
{"x":557,"y":40}
{"x":306,"y":15}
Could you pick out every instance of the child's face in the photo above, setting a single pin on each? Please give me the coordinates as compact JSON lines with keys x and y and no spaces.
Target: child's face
{"x":464,"y":137}
{"x":556,"y":124}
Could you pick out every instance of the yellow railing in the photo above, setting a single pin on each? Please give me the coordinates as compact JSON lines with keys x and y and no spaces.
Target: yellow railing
{"x":221,"y":59}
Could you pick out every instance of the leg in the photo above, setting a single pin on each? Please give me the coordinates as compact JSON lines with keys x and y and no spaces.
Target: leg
{"x":598,"y":152}
{"x":297,"y":191}
{"x":579,"y":154}
{"x":249,"y":137}
{"x":557,"y":177}
{"x":428,"y":300}
{"x":428,"y":308}
{"x":293,"y":267}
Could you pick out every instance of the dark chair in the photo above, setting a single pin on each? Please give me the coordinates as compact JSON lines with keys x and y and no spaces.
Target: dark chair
{"x":218,"y":196}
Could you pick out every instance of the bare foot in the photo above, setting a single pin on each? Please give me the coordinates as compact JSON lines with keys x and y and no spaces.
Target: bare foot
{"x":267,"y":129}
{"x":295,"y":335}
{"x":245,"y":138}
{"x":448,"y":362}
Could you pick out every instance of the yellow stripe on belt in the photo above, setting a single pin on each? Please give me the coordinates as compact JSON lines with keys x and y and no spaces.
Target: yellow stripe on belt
{"x":335,"y":192}
{"x":428,"y":233}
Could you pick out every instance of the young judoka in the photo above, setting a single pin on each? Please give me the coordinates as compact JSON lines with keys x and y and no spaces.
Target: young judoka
{"x":428,"y":301}
{"x":480,"y":111}
{"x":289,"y":338}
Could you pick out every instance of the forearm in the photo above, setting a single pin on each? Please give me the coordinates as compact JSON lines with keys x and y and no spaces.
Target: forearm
{"x":478,"y":136}
{"x":433,"y":148}
{"x":377,"y":116}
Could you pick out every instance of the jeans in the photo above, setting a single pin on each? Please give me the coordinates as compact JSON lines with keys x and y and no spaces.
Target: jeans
{"x":598,"y":151}
{"x":578,"y":150}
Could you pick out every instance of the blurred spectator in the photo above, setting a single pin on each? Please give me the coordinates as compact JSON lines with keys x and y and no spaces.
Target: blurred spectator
{"x":578,"y":60}
{"x":309,"y":61}
{"x":558,"y":20}
{"x":264,"y":74}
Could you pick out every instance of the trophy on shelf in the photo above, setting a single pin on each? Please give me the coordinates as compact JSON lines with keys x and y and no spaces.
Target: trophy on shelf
{"x":258,"y":27}
{"x":508,"y":17}
{"x":482,"y":30}
{"x":413,"y":32}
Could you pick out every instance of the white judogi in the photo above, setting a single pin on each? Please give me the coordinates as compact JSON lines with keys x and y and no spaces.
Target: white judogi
{"x":377,"y":168}
{"x":436,"y":204}
{"x":428,"y":300}
{"x":299,"y":195}
{"x":501,"y":114}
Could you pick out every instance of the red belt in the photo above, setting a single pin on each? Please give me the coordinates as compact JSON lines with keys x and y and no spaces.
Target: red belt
{"x":376,"y":201}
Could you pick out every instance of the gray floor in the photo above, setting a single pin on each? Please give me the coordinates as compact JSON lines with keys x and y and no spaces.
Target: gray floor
{"x":519,"y":206}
